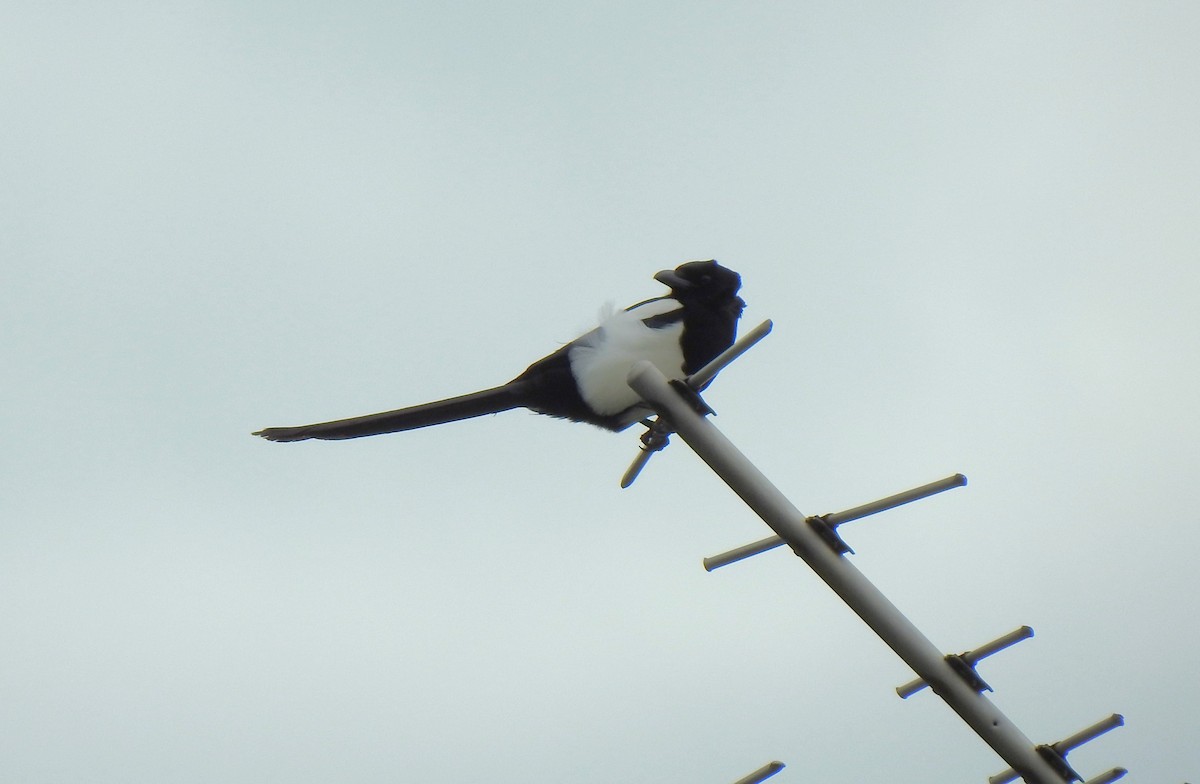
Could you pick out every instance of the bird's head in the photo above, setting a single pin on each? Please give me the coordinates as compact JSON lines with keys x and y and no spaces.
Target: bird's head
{"x":705,"y":280}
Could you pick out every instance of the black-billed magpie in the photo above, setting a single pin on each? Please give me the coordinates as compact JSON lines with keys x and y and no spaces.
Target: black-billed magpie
{"x":584,"y":381}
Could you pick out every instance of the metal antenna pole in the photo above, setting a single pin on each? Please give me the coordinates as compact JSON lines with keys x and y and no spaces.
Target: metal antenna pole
{"x":856,"y":590}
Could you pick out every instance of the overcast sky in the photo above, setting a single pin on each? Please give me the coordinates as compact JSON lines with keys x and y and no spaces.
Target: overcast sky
{"x":976,"y":227}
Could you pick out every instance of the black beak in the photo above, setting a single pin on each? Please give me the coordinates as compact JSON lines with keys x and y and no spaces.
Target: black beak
{"x":671,"y":278}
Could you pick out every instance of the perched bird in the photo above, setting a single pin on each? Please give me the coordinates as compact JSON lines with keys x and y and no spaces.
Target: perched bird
{"x":584,"y":381}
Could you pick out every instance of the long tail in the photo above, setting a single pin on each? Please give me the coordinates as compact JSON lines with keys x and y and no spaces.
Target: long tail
{"x":489,"y":401}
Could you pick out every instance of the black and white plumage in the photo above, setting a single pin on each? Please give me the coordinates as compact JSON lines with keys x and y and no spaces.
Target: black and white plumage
{"x":584,"y":381}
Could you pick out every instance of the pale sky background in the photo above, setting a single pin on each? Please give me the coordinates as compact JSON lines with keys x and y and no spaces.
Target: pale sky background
{"x":976,"y":227}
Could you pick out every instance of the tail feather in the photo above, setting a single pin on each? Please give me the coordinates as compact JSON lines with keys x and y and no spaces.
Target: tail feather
{"x":489,"y":401}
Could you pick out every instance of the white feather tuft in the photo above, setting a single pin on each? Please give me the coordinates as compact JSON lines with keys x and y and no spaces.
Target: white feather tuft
{"x":602,"y":359}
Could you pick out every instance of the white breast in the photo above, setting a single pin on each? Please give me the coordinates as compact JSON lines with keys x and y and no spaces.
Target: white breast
{"x":602,"y":359}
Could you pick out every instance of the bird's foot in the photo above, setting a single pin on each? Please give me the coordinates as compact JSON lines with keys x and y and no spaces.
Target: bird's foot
{"x":656,"y":437}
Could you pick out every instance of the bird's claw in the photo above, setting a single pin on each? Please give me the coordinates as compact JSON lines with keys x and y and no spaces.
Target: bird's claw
{"x":656,"y":437}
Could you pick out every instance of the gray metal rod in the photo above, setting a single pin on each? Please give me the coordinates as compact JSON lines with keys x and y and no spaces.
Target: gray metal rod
{"x":998,"y":644}
{"x":856,"y":590}
{"x":707,"y":373}
{"x":741,"y":553}
{"x":1064,"y":746}
{"x":837,"y":518}
{"x":973,"y":657}
{"x":1109,"y":777}
{"x":899,"y":499}
{"x":1094,"y":731}
{"x":762,"y":774}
